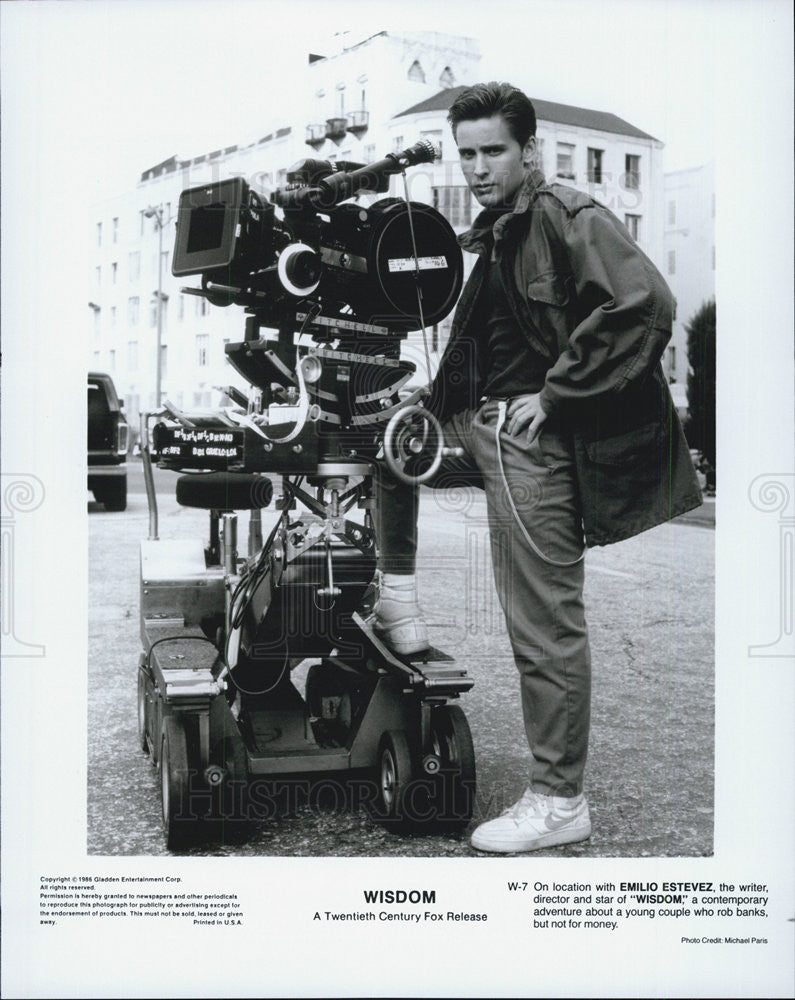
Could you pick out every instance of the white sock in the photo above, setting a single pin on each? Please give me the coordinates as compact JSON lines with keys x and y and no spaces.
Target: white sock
{"x":399,"y":580}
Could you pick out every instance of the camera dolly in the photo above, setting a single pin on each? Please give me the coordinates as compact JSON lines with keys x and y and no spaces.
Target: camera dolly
{"x":329,"y":291}
{"x":221,"y":634}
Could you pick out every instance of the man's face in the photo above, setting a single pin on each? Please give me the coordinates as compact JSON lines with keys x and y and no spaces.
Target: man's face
{"x":493,"y":162}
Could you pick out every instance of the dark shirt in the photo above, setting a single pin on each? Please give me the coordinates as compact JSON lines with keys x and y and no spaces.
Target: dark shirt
{"x":508,"y":364}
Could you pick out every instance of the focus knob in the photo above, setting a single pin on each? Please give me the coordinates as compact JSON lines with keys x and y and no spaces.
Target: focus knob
{"x":299,"y":269}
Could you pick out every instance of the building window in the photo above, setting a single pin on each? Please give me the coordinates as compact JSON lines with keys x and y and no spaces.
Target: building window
{"x":114,"y":271}
{"x":116,"y":230}
{"x":182,"y":307}
{"x":132,"y":310}
{"x":202,"y":347}
{"x":112,"y":359}
{"x":671,"y":213}
{"x":369,"y":152}
{"x":672,"y":261}
{"x":631,"y":172}
{"x":595,"y":165}
{"x":134,"y":265}
{"x":447,"y":79}
{"x":565,"y":161}
{"x":632,"y":222}
{"x":98,"y":272}
{"x":153,"y":312}
{"x":416,"y":72}
{"x":96,"y":359}
{"x":397,"y":144}
{"x":113,"y":317}
{"x":455,"y":204}
{"x":99,"y":234}
{"x":201,"y":307}
{"x":132,"y":355}
{"x":143,"y":222}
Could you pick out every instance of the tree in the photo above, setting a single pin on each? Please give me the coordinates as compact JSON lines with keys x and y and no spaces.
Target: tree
{"x":700,"y":424}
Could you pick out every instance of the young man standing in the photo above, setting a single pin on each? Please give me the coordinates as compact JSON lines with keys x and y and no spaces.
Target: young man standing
{"x":564,"y":417}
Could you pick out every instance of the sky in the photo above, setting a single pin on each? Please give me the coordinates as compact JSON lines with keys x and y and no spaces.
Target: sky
{"x":123,"y":84}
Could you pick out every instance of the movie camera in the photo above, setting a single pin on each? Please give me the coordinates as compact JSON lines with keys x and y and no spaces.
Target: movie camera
{"x":330,"y":287}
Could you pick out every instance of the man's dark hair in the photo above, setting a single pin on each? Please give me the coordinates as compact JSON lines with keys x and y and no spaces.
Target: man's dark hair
{"x":485,"y":100}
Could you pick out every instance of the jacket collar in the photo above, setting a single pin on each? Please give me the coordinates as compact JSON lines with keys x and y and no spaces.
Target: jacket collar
{"x":485,"y":228}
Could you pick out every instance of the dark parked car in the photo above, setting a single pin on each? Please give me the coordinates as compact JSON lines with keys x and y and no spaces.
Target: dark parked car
{"x":107,"y":443}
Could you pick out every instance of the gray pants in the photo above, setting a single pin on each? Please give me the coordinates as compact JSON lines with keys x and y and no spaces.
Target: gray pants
{"x":542,"y":602}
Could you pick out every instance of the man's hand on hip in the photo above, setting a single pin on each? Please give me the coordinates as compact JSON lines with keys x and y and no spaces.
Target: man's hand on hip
{"x":525,"y":413}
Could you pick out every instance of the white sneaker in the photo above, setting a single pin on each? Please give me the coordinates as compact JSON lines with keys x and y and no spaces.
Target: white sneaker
{"x":535,"y":821}
{"x":398,"y":617}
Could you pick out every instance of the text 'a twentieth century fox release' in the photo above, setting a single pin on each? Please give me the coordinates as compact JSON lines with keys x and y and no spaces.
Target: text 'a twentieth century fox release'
{"x":401,"y":907}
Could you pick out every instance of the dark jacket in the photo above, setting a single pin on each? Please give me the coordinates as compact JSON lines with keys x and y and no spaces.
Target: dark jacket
{"x":597,"y":310}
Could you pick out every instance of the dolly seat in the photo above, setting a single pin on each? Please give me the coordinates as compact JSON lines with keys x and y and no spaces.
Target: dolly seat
{"x":224,"y":491}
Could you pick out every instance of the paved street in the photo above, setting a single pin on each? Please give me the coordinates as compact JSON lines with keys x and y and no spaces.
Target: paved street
{"x":650,"y":609}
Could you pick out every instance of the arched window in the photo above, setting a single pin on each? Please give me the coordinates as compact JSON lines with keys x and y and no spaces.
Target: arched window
{"x":416,"y":72}
{"x":447,"y":79}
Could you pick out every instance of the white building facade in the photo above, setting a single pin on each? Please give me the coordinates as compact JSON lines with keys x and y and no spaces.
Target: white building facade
{"x":689,"y":259}
{"x":379,"y":95}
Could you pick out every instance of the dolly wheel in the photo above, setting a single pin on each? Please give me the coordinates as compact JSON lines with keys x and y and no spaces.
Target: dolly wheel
{"x":394,"y":778}
{"x":143,"y":741}
{"x":174,"y":785}
{"x":451,"y":743}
